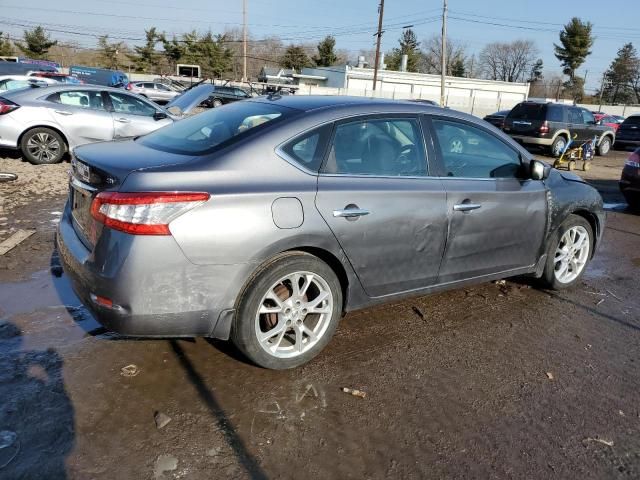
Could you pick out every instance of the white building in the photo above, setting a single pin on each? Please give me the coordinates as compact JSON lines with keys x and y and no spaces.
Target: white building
{"x":471,"y":95}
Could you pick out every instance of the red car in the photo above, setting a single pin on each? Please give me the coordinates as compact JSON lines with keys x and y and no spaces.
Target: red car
{"x":613,"y":121}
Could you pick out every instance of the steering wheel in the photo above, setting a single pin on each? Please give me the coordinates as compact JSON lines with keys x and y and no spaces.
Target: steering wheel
{"x":407,"y":158}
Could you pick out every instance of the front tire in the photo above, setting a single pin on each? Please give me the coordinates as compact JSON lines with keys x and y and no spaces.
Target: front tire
{"x":217,"y":103}
{"x":43,"y":146}
{"x":568,"y":253}
{"x":605,"y":147}
{"x":288,"y":312}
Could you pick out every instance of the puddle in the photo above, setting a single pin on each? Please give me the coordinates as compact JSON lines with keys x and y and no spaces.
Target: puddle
{"x":46,"y":311}
{"x":617,"y":207}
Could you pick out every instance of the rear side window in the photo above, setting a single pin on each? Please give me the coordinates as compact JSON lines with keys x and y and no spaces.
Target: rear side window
{"x":554,"y":113}
{"x":308,"y":149}
{"x":528,"y":111}
{"x":83,"y":99}
{"x":381,"y":147}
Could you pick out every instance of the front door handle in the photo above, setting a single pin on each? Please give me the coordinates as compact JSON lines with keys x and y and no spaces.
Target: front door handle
{"x":123,"y":120}
{"x":62,"y":112}
{"x":350,"y":212}
{"x":466,"y":207}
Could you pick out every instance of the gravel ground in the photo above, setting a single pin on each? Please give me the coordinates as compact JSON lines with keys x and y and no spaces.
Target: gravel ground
{"x":492,"y":381}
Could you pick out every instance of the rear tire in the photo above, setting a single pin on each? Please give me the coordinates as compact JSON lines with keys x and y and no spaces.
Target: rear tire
{"x":565,"y":263}
{"x":277,"y":325}
{"x":43,"y":146}
{"x":604,"y":148}
{"x":558,"y":145}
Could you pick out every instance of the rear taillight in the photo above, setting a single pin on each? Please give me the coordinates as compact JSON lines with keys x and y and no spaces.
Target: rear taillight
{"x":544,"y":128}
{"x":633,"y":160}
{"x":143,"y":213}
{"x":7,"y":106}
{"x":129,"y":86}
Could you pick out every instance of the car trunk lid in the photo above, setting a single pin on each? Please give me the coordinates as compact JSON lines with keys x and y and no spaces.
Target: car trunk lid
{"x":103,"y":167}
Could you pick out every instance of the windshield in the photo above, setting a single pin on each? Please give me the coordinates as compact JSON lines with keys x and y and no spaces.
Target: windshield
{"x":217,"y":128}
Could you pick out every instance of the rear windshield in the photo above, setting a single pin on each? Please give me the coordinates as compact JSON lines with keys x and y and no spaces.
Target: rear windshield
{"x":217,"y":128}
{"x":528,"y":111}
{"x":632,"y":121}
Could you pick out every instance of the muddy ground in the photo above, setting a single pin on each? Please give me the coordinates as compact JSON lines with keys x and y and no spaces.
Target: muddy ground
{"x":493,"y":381}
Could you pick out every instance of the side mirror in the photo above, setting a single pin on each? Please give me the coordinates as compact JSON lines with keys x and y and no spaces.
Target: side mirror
{"x":538,"y":170}
{"x":159,"y":115}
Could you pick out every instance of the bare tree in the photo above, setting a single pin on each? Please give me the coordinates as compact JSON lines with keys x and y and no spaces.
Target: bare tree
{"x":508,"y":62}
{"x":431,"y":61}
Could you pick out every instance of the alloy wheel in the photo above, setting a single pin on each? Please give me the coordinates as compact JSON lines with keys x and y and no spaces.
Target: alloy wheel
{"x":559,"y":147}
{"x":294,"y":314}
{"x":571,"y":254}
{"x":43,"y":146}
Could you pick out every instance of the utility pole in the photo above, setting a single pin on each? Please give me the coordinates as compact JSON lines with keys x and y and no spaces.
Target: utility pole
{"x":244,"y":40}
{"x":443,"y":54}
{"x":379,"y":34}
{"x":604,"y":78}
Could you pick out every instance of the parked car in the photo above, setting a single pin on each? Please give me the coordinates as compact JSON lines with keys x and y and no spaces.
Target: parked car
{"x":44,"y":123}
{"x":99,"y":76}
{"x":497,"y":119}
{"x":550,"y":125}
{"x":16,"y":82}
{"x":58,"y":77}
{"x":223,"y":95}
{"x":157,"y":92}
{"x":608,"y":120}
{"x":629,"y":133}
{"x":265,"y":220}
{"x":630,"y":180}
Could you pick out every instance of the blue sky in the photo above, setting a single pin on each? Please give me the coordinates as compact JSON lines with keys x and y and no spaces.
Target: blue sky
{"x":472,"y":22}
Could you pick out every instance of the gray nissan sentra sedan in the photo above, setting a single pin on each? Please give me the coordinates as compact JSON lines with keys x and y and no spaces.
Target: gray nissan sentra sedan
{"x":264,"y":221}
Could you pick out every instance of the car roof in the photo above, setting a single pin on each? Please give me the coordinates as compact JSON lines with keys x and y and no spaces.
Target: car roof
{"x":309,"y":103}
{"x":36,"y":91}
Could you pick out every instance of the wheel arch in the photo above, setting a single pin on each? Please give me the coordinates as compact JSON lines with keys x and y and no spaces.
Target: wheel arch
{"x":55,"y":129}
{"x":561,"y":133}
{"x":605,"y":135}
{"x":593,"y":221}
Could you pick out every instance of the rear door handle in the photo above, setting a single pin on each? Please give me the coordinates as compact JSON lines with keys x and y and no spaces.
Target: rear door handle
{"x":62,"y":112}
{"x":350,"y":212}
{"x":123,"y":120}
{"x":466,"y":207}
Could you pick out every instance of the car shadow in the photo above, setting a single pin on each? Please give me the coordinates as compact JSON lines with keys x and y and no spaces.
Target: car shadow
{"x":234,"y":441}
{"x":36,"y":414}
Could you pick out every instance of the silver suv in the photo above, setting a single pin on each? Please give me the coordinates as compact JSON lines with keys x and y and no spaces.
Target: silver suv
{"x":157,"y":92}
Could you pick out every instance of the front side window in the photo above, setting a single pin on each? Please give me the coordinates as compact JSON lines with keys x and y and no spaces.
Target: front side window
{"x":575,"y":116}
{"x":13,"y":84}
{"x":587,"y":117}
{"x":470,"y":152}
{"x":218,"y":127}
{"x":383,"y":147}
{"x":84,"y":99}
{"x":129,"y":105}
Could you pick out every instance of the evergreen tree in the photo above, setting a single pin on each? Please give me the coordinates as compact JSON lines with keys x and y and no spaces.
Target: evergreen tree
{"x":326,"y":54}
{"x":457,"y":67}
{"x":295,"y":57}
{"x":108,"y":52}
{"x":620,"y":76}
{"x":408,"y":46}
{"x":214,"y":58}
{"x":145,"y":57}
{"x":575,"y":43}
{"x":536,"y":71}
{"x":36,"y":43}
{"x":173,"y":50}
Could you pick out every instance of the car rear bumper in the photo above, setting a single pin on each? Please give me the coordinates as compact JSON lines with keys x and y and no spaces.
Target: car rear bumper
{"x":10,"y":131}
{"x":155,"y":291}
{"x":627,"y":143}
{"x":532,"y":140}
